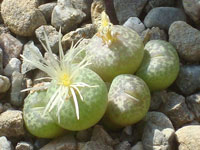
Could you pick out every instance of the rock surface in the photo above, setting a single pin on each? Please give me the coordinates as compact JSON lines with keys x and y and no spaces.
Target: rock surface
{"x":128,"y":8}
{"x":4,"y":84}
{"x":186,"y":40}
{"x":24,"y":146}
{"x":188,"y":137}
{"x":22,"y":17}
{"x":1,"y":61}
{"x":163,"y":17}
{"x":95,"y":145}
{"x":13,"y":65}
{"x":11,"y":123}
{"x":5,"y":144}
{"x":157,"y":99}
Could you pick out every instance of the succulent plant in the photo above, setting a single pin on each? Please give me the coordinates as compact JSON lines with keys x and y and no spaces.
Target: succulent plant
{"x":114,"y":50}
{"x":75,"y":99}
{"x":160,"y":65}
{"x":128,"y":101}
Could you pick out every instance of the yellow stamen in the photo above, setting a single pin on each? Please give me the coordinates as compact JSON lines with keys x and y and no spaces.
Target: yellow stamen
{"x":65,"y":80}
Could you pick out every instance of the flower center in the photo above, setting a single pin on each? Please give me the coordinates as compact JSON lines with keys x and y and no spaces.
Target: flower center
{"x":64,"y":79}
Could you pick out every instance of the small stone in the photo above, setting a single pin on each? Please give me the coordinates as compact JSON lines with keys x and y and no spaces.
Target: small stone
{"x":128,"y":8}
{"x":100,"y":135}
{"x":160,"y":128}
{"x":7,"y":106}
{"x":95,"y":145}
{"x":1,"y":108}
{"x":135,"y":24}
{"x":137,"y":146}
{"x":4,"y":29}
{"x":188,"y":137}
{"x":26,"y":67}
{"x":24,"y":146}
{"x":62,"y":143}
{"x":52,"y":34}
{"x":22,"y":17}
{"x":163,"y":17}
{"x":40,"y":142}
{"x":11,"y":47}
{"x":4,"y":84}
{"x":128,"y":130}
{"x":84,"y":135}
{"x":188,"y":80}
{"x":157,"y":99}
{"x":97,"y":7}
{"x":192,"y":9}
{"x":1,"y":61}
{"x":176,"y":109}
{"x":47,"y":10}
{"x":13,"y":65}
{"x":193,"y":103}
{"x":186,"y":40}
{"x":85,"y":32}
{"x":66,"y":17}
{"x":158,"y":3}
{"x":11,"y":123}
{"x":18,"y":84}
{"x":125,"y":145}
{"x":5,"y":144}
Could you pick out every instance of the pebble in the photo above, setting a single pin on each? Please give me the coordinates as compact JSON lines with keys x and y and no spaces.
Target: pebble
{"x":160,"y":128}
{"x":84,"y":135}
{"x":1,"y":61}
{"x":52,"y":35}
{"x":193,"y":103}
{"x":128,"y":8}
{"x":97,"y":7}
{"x":26,"y":67}
{"x":188,"y":80}
{"x":137,"y":146}
{"x":13,"y":65}
{"x":47,"y":9}
{"x":4,"y":29}
{"x":188,"y":137}
{"x":18,"y":84}
{"x":67,"y":142}
{"x":124,"y":145}
{"x":11,"y":123}
{"x":24,"y":146}
{"x":40,"y":142}
{"x":95,"y":145}
{"x":186,"y":40}
{"x":66,"y":17}
{"x":135,"y":23}
{"x":85,"y":32}
{"x":158,"y":3}
{"x":163,"y":17}
{"x":157,"y":99}
{"x":11,"y":47}
{"x":176,"y":109}
{"x":1,"y":108}
{"x":192,"y":9}
{"x":22,"y":17}
{"x":4,"y":84}
{"x":5,"y":144}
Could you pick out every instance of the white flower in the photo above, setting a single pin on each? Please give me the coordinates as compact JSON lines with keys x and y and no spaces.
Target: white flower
{"x":61,"y":71}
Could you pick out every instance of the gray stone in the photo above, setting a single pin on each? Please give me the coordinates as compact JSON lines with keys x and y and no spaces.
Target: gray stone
{"x":135,"y":24}
{"x":95,"y":145}
{"x":4,"y":84}
{"x":188,"y":80}
{"x":186,"y":40}
{"x":67,"y":142}
{"x":85,"y":32}
{"x":52,"y":34}
{"x":100,"y":135}
{"x":157,"y":99}
{"x":128,"y":8}
{"x":176,"y":109}
{"x":188,"y":137}
{"x":22,"y":17}
{"x":137,"y":146}
{"x":5,"y":144}
{"x":84,"y":135}
{"x":7,"y":106}
{"x":40,"y":142}
{"x":97,"y":7}
{"x":158,"y":3}
{"x":11,"y":47}
{"x":163,"y":17}
{"x":192,"y":9}
{"x":26,"y":67}
{"x":11,"y":123}
{"x":13,"y":65}
{"x":47,"y":9}
{"x":158,"y":132}
{"x":4,"y":29}
{"x":1,"y":61}
{"x":24,"y":146}
{"x":127,"y":130}
{"x":66,"y":17}
{"x":193,"y":103}
{"x":153,"y":34}
{"x":124,"y":145}
{"x":18,"y":84}
{"x":1,"y":108}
